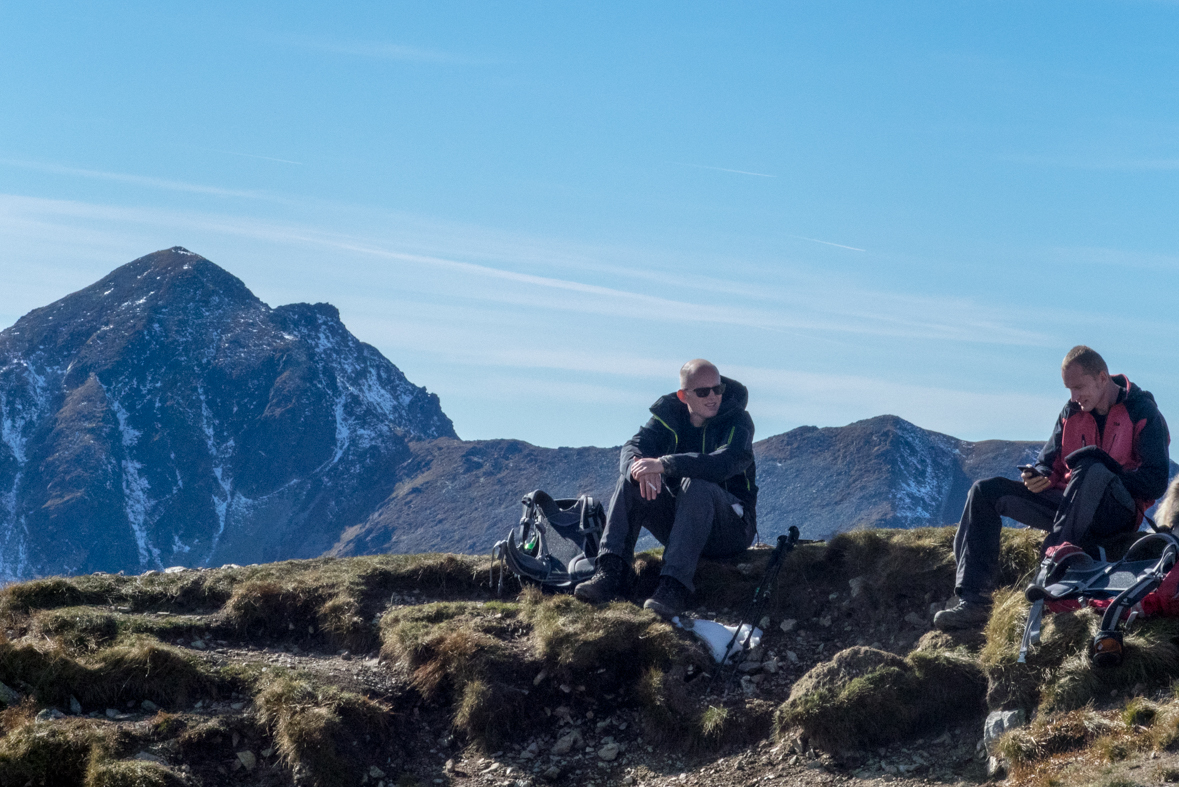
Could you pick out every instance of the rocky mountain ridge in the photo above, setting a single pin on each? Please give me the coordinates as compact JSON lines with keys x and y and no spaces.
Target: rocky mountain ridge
{"x":880,"y":472}
{"x":165,"y":415}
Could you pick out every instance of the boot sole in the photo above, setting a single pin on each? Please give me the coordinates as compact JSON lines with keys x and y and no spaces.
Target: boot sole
{"x":662,"y":610}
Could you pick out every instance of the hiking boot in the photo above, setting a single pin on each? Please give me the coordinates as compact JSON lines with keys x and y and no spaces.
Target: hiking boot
{"x":670,"y":599}
{"x":608,"y":582}
{"x":962,"y":616}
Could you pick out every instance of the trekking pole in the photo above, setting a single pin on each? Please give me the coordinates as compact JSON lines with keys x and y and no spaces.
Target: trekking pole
{"x":763,"y":591}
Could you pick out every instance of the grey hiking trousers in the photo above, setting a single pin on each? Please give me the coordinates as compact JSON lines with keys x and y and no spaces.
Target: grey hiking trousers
{"x":690,"y":517}
{"x":1094,"y":506}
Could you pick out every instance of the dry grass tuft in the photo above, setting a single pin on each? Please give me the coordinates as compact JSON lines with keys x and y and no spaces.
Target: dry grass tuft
{"x":866,"y":697}
{"x":188,"y":591}
{"x":449,"y":644}
{"x":574,"y":639}
{"x":140,"y":668}
{"x":53,"y":754}
{"x":315,"y":727}
{"x":77,"y":629}
{"x":497,"y":662}
{"x":130,"y":773}
{"x":338,"y":599}
{"x":1058,"y":675}
{"x":272,"y":608}
{"x":1140,"y":712}
{"x":1058,"y":733}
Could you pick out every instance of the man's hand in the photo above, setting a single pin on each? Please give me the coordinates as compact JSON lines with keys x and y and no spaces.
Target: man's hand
{"x":1035,"y":482}
{"x":649,"y":475}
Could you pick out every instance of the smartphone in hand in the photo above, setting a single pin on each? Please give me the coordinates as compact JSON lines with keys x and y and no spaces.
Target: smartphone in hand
{"x":1027,"y":469}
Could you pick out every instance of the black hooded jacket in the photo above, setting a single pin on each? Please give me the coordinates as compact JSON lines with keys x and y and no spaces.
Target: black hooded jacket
{"x":721,"y":451}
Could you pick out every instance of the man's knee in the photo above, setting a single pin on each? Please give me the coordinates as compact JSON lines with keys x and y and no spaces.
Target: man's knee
{"x":989,"y":489}
{"x":625,"y":490}
{"x":697,"y":489}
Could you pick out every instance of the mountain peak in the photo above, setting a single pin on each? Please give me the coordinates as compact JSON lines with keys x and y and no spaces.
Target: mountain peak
{"x":170,"y":416}
{"x":172,"y":274}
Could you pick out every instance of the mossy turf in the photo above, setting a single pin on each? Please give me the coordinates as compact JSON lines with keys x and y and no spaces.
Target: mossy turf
{"x":138,"y":669}
{"x":315,"y":728}
{"x":866,"y":697}
{"x":327,"y":600}
{"x":98,"y":640}
{"x":894,"y":570}
{"x":496,"y":663}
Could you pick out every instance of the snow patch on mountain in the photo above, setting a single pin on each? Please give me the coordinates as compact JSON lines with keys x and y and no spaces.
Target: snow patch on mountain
{"x":925,"y":472}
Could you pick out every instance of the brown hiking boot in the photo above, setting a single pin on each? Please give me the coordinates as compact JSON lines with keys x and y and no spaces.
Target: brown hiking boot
{"x":963,"y":616}
{"x":670,"y":599}
{"x":608,"y":582}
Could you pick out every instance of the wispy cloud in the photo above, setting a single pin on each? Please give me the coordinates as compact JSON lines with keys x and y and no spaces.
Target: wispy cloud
{"x":136,"y":180}
{"x":253,"y":155}
{"x":1098,"y":163}
{"x":1122,"y":258}
{"x":827,"y":243}
{"x":803,"y":306}
{"x":724,"y":169}
{"x":376,"y":50}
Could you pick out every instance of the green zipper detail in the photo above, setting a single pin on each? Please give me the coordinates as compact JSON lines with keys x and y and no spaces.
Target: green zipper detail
{"x":673,"y":432}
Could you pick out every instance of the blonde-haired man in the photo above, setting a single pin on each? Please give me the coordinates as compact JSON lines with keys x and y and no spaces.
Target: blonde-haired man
{"x":688,"y":476}
{"x":1104,"y":464}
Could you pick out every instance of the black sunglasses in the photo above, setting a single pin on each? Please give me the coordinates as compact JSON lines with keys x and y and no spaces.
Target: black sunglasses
{"x":703,"y":392}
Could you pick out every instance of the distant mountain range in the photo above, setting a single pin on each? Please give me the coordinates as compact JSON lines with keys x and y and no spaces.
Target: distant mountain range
{"x":166,"y":416}
{"x":882,"y":472}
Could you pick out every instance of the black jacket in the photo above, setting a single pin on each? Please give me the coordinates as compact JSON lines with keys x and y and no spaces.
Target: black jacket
{"x":723,"y":455}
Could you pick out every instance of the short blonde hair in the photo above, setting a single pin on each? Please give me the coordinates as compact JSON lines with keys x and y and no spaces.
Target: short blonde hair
{"x":1087,"y":358}
{"x":693,"y":368}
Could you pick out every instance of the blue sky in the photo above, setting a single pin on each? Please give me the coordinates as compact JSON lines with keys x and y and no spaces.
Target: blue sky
{"x":540,"y":210}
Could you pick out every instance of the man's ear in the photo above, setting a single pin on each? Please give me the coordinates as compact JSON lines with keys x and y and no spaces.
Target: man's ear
{"x":680,"y":395}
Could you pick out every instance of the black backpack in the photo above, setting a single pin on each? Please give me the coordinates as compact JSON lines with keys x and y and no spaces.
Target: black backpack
{"x":556,"y":543}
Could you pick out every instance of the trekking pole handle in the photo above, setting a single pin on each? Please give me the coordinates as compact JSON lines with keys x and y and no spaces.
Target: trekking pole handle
{"x":784,"y":544}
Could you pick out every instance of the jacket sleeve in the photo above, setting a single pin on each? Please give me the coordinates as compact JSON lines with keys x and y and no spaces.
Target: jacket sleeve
{"x":730,"y":459}
{"x":1149,"y":480}
{"x":1050,"y":462}
{"x":652,"y":440}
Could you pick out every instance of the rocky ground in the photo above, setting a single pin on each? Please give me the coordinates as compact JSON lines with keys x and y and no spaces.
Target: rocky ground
{"x":323,"y":672}
{"x":594,"y":748}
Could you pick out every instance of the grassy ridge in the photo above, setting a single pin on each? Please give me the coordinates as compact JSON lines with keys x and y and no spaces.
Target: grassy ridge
{"x":501,"y":668}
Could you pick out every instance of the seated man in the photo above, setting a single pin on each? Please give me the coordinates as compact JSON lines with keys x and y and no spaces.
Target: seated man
{"x":1103,"y":466}
{"x":688,"y":477}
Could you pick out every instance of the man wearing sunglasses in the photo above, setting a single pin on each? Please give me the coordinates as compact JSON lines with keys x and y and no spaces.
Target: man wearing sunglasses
{"x":688,"y":476}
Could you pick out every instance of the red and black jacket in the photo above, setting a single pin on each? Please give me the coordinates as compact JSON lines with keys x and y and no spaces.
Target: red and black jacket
{"x":1135,"y":436}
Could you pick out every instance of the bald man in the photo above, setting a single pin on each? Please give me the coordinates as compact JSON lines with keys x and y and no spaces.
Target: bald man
{"x":688,"y":476}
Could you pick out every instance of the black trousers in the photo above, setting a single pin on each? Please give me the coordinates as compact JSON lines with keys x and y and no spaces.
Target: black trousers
{"x":690,"y":517}
{"x":1094,"y":506}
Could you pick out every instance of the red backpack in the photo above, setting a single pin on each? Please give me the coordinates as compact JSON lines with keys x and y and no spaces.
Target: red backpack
{"x":1143,"y":583}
